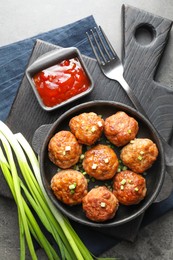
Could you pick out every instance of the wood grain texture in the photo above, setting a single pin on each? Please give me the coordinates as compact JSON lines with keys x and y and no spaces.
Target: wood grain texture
{"x":141,"y":62}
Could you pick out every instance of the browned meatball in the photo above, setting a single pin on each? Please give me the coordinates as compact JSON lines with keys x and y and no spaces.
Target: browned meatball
{"x":100,"y":204}
{"x":87,"y":127}
{"x":120,"y":128}
{"x":139,"y":155}
{"x":64,"y":150}
{"x":129,"y":187}
{"x":69,"y":186}
{"x":100,"y":162}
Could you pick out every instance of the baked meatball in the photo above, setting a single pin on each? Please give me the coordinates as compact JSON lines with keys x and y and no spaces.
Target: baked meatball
{"x":139,"y":155}
{"x":120,"y":128}
{"x":64,"y":150}
{"x":87,"y":127}
{"x":69,"y":186}
{"x":100,"y":204}
{"x":100,"y":162}
{"x":129,"y":187}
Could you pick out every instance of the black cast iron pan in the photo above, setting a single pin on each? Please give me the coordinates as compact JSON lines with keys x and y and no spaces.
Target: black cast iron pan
{"x":154,"y":176}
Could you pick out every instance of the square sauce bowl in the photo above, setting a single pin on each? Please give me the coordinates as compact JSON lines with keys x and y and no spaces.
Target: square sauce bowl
{"x":59,"y":77}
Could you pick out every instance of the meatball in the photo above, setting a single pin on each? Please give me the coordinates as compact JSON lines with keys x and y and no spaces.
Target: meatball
{"x":100,"y":204}
{"x":120,"y":128}
{"x":87,"y":127}
{"x":100,"y":162}
{"x":69,"y":186}
{"x":64,"y":150}
{"x":139,"y":155}
{"x":129,"y":187}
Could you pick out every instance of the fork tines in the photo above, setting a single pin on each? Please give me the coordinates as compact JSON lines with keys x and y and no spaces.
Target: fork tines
{"x":100,"y":45}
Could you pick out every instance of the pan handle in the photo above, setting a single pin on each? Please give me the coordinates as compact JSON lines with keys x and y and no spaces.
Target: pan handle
{"x":39,"y":137}
{"x":166,"y":189}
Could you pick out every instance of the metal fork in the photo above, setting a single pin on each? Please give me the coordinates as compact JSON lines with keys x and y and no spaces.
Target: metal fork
{"x":110,"y":63}
{"x":112,"y":68}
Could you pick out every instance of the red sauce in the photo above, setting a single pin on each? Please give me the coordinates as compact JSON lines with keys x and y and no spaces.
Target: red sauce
{"x":61,"y":82}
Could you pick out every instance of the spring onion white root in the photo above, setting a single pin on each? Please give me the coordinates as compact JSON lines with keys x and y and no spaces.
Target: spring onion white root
{"x":20,"y":168}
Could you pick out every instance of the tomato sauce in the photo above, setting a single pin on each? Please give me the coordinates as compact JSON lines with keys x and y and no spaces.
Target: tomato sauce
{"x":61,"y":82}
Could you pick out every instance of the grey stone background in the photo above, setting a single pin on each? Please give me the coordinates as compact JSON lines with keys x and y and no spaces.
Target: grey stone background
{"x":21,"y":19}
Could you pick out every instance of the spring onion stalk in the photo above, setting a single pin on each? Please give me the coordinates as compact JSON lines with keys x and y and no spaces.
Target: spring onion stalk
{"x":5,"y":169}
{"x":18,"y":196}
{"x":19,"y":152}
{"x":39,"y":235}
{"x":32,"y":224}
{"x":60,"y":218}
{"x":70,"y":245}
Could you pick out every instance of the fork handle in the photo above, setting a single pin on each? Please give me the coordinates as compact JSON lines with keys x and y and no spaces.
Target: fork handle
{"x":132,"y":96}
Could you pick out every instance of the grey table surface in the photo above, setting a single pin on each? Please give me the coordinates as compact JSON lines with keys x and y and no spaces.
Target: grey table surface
{"x":156,"y":240}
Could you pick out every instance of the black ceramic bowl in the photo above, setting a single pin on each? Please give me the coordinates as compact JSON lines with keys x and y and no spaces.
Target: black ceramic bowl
{"x":50,"y":59}
{"x":154,"y":177}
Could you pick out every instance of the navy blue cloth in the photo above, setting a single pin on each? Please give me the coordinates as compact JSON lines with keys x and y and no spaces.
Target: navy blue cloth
{"x":13,"y":62}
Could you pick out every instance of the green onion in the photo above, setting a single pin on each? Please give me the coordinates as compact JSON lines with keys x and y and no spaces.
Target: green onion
{"x":140,"y":158}
{"x":72,"y":186}
{"x":82,"y":156}
{"x":92,"y":179}
{"x":103,"y":204}
{"x":27,"y":187}
{"x":119,"y":169}
{"x":123,"y":181}
{"x":18,"y":197}
{"x":122,"y":187}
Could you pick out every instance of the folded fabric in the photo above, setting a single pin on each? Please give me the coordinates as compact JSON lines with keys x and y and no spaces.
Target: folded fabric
{"x":15,"y":56}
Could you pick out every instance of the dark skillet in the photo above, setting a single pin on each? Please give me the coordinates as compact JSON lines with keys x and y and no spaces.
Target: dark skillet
{"x":154,"y":176}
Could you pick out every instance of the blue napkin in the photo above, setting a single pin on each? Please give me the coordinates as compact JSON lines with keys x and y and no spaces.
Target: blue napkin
{"x":13,"y":62}
{"x":14,"y":57}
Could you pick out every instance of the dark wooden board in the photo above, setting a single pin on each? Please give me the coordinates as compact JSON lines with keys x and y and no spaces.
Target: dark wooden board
{"x":140,"y":63}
